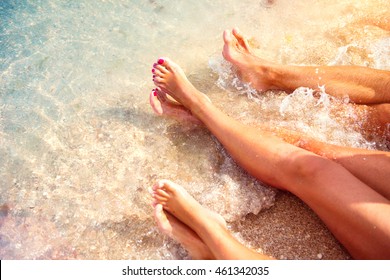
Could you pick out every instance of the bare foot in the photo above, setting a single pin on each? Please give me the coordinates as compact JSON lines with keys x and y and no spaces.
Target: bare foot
{"x":181,"y":233}
{"x":163,"y":106}
{"x":250,"y":68}
{"x":171,"y":79}
{"x":178,"y":202}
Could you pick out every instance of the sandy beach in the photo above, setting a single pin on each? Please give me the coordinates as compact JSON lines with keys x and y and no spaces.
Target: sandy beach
{"x":290,"y":230}
{"x":80,"y":145}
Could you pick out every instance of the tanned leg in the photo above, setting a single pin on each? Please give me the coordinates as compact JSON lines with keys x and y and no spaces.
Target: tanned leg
{"x":176,"y":200}
{"x":370,"y":166}
{"x":356,"y":214}
{"x":363,"y":85}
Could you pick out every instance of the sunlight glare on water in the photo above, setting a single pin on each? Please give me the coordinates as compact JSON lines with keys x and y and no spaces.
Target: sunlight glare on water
{"x":80,"y":146}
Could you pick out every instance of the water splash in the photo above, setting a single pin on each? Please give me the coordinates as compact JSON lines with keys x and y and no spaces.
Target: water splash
{"x":228,"y":79}
{"x":312,"y":112}
{"x":380,"y":53}
{"x":342,"y":56}
{"x":79,"y":143}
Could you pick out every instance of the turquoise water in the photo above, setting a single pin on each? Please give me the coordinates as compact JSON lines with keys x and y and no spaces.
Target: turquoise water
{"x":80,"y":145}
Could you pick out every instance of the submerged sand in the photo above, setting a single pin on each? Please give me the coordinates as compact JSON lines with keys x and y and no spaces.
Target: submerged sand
{"x":80,"y":145}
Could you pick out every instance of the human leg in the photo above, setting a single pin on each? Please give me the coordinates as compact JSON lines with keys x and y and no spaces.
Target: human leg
{"x":204,"y":223}
{"x":370,"y":166}
{"x":363,"y":85}
{"x":355,"y":213}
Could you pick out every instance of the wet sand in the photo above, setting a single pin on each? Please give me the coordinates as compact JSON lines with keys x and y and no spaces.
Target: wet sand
{"x":80,"y":144}
{"x":290,"y":230}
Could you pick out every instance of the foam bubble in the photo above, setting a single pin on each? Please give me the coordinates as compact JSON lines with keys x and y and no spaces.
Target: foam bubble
{"x":80,"y":144}
{"x":228,"y":79}
{"x":380,"y":53}
{"x":310,"y":111}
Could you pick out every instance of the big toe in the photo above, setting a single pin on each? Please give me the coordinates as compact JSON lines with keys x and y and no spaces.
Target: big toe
{"x":227,"y":36}
{"x":237,"y":33}
{"x":155,"y":103}
{"x":167,"y":63}
{"x":162,"y":219}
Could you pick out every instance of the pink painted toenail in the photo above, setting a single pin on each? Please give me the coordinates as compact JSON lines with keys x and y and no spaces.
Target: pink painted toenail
{"x":160,"y":61}
{"x":154,"y":64}
{"x":154,"y":93}
{"x":153,"y":70}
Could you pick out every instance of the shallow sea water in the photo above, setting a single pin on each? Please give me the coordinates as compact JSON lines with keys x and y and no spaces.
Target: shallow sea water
{"x":80,"y":145}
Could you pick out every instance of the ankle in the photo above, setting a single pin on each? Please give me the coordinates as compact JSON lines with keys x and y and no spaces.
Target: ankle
{"x":265,"y":75}
{"x":199,"y":105}
{"x":275,"y":76}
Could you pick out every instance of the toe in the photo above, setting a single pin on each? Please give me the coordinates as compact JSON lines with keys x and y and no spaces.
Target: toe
{"x":236,"y":32}
{"x":158,"y":210}
{"x":163,"y":62}
{"x":169,"y":64}
{"x":155,"y":102}
{"x":240,"y":38}
{"x":168,"y":185}
{"x":159,"y":198}
{"x":227,"y":38}
{"x":161,"y":69}
{"x":161,"y":219}
{"x":162,"y":193}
